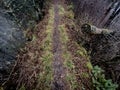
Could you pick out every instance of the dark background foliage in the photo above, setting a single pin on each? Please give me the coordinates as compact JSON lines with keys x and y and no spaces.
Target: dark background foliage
{"x":25,"y":12}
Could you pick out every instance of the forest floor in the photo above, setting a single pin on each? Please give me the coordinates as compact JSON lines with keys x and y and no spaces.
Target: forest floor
{"x":53,"y":59}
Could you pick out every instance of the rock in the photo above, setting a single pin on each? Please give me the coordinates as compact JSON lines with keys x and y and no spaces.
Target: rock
{"x":11,"y":39}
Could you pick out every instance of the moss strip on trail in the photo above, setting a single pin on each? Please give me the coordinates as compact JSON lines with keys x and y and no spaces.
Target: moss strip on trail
{"x":45,"y":77}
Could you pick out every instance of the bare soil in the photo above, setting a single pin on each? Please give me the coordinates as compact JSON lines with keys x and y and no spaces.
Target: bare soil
{"x":58,"y":67}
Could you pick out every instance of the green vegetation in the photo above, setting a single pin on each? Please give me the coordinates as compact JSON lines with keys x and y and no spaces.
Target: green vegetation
{"x":70,"y":14}
{"x":61,"y":10}
{"x":1,"y":88}
{"x":68,"y":63}
{"x":99,"y":81}
{"x":89,"y":65}
{"x":45,"y":77}
{"x":85,"y":75}
{"x":22,"y":88}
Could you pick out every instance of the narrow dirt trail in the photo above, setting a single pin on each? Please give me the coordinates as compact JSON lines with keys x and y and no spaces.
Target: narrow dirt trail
{"x":58,"y":67}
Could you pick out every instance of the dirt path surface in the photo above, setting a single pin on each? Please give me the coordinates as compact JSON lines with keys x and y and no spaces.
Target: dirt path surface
{"x":58,"y":67}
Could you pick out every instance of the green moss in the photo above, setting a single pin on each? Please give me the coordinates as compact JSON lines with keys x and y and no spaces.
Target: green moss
{"x":46,"y":75}
{"x":22,"y":87}
{"x":68,"y":62}
{"x":61,"y":10}
{"x":85,"y":75}
{"x":70,"y":7}
{"x":72,"y":80}
{"x":49,"y":28}
{"x":33,"y":37}
{"x":70,"y":14}
{"x":89,"y":65}
{"x":64,"y":36}
{"x":47,"y":44}
{"x":1,"y":88}
{"x":80,"y":53}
